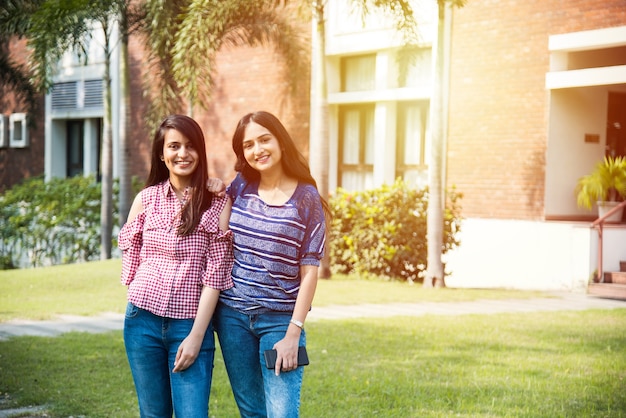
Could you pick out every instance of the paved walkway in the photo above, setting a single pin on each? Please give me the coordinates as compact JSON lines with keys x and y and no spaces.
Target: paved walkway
{"x":560,"y":302}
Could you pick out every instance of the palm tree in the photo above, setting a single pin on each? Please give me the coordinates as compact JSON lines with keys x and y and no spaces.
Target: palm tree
{"x":130,"y":18}
{"x":56,"y":27}
{"x":184,"y":38}
{"x":125,"y":192}
{"x":318,"y":136}
{"x":436,"y":198}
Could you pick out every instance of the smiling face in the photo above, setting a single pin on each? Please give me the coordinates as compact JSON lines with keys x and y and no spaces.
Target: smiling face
{"x":179,"y":155}
{"x":261,"y":149}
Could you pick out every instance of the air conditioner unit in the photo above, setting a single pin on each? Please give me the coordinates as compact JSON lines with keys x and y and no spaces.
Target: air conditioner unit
{"x":4,"y":131}
{"x":18,"y":130}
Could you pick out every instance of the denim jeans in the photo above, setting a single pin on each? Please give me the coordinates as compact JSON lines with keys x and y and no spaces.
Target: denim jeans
{"x":258,"y":391}
{"x":151,"y":343}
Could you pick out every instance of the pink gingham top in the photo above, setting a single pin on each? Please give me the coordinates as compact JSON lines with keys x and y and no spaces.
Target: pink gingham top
{"x":165,"y":272}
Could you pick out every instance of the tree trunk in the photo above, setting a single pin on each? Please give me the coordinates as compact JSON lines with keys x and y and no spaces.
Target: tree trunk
{"x":319,"y":144}
{"x":126,"y":192}
{"x":434,"y":226}
{"x":106,"y":208}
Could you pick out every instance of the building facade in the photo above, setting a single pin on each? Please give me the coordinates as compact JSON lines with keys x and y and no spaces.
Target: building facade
{"x":530,"y":84}
{"x":21,"y":133}
{"x":535,"y":98}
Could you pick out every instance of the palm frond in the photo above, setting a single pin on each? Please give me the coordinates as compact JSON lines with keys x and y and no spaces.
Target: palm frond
{"x":15,"y":17}
{"x":209,"y":25}
{"x":17,"y":78}
{"x":162,"y":19}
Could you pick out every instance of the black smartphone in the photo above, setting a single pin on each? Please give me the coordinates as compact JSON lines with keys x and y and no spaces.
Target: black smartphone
{"x":270,"y":357}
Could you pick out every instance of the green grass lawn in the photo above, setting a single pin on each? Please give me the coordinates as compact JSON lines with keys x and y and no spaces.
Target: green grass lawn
{"x":92,"y":288}
{"x":563,"y":364}
{"x":548,"y":364}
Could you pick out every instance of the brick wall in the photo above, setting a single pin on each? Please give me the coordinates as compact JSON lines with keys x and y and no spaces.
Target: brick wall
{"x":246,"y":79}
{"x":17,"y":164}
{"x":140,"y":138}
{"x":251,"y":79}
{"x":498,"y":101}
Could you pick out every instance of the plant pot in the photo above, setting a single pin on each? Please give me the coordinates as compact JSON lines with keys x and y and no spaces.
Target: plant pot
{"x":604,"y":207}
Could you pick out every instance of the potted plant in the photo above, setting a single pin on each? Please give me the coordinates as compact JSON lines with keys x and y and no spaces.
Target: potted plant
{"x":605,"y":186}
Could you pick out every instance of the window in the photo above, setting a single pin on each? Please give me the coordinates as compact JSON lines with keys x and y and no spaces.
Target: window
{"x":75,"y":149}
{"x":419,"y":70}
{"x":412,"y":149}
{"x":64,"y":96}
{"x":358,"y":73}
{"x":18,"y":136}
{"x":4,"y":131}
{"x":92,"y":94}
{"x":74,"y":95}
{"x":616,"y":125}
{"x":356,"y":149}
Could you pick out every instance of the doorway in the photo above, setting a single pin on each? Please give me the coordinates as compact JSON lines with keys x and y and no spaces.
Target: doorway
{"x":616,"y":125}
{"x":75,"y":148}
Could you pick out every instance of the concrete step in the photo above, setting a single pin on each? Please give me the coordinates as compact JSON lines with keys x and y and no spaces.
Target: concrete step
{"x":608,"y":290}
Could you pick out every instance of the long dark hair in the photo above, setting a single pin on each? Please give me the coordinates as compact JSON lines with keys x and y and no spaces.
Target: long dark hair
{"x":200,"y":197}
{"x":293,"y":162}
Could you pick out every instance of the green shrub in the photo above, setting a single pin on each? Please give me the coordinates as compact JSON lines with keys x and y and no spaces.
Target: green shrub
{"x":382,"y":232}
{"x":53,"y":222}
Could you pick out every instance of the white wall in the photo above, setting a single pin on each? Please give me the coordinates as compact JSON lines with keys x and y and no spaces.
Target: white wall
{"x":584,"y":68}
{"x":55,"y":159}
{"x":573,"y":113}
{"x":613,"y":248}
{"x":347,"y":32}
{"x":524,"y":255}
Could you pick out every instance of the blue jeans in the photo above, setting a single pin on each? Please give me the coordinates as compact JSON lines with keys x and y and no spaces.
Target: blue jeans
{"x":258,"y":391}
{"x":151,"y":343}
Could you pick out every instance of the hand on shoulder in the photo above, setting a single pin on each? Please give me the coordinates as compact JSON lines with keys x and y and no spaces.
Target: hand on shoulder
{"x":216,"y":186}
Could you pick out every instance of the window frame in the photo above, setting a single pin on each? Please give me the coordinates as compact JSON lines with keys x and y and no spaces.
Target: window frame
{"x":361,"y":167}
{"x":422,"y":165}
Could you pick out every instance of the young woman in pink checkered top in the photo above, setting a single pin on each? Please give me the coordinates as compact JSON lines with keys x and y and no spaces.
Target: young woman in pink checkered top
{"x":176,"y":258}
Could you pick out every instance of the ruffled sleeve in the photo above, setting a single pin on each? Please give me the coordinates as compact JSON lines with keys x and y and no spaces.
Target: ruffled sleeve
{"x":236,"y":187}
{"x":219,"y":261}
{"x":130,"y":240}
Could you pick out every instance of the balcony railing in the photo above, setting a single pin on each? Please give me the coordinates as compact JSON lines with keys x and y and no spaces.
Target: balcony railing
{"x":599,"y":224}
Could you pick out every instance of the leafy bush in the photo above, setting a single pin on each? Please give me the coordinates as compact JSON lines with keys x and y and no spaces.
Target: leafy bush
{"x":53,"y":222}
{"x":379,"y":232}
{"x":383,"y":231}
